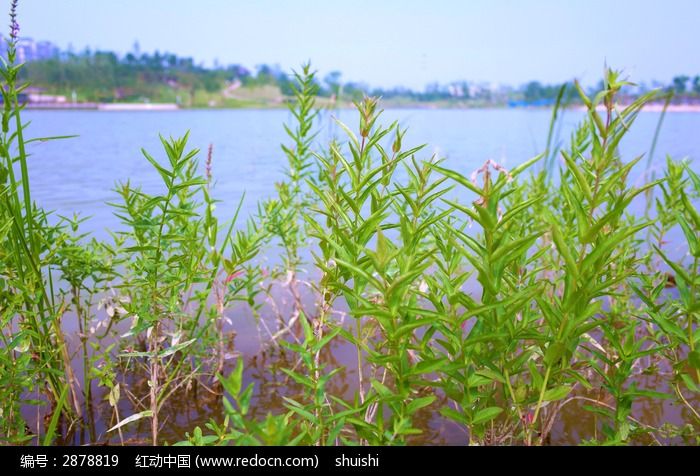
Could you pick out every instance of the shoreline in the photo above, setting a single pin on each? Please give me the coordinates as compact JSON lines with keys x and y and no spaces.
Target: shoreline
{"x":171,"y":107}
{"x":676,"y":108}
{"x":108,"y":107}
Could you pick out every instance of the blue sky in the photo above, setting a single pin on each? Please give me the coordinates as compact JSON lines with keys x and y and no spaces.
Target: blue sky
{"x":393,"y":42}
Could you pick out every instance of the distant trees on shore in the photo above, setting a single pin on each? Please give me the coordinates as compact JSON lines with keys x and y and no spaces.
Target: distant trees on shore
{"x":104,"y":76}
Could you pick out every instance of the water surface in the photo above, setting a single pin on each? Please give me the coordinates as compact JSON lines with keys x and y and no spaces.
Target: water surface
{"x":79,"y":175}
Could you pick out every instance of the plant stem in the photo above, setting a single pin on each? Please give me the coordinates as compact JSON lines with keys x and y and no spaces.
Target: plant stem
{"x":539,"y":403}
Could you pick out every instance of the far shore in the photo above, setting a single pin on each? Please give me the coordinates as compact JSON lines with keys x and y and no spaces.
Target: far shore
{"x":657,"y":108}
{"x":91,"y":106}
{"x":136,"y":107}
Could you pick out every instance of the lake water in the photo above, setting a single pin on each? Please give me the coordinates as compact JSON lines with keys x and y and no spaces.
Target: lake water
{"x":79,"y":174}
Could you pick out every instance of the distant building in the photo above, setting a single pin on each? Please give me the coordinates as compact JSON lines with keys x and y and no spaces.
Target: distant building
{"x":46,"y":50}
{"x":30,"y":50}
{"x":26,"y":50}
{"x":458,"y":90}
{"x":38,"y":96}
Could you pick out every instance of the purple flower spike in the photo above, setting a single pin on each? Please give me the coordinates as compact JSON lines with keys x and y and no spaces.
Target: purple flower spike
{"x":14,"y":30}
{"x":14,"y":26}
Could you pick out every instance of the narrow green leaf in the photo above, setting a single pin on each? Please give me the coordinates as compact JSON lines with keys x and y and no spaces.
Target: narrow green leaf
{"x":53,"y":424}
{"x":557,"y":393}
{"x":486,"y":415}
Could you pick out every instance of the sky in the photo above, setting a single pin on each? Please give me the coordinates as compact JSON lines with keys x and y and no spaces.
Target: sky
{"x":387,"y":43}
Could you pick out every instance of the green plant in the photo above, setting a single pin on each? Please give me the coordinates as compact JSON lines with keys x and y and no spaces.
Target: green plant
{"x":34,"y":352}
{"x":284,"y":215}
{"x":360,"y":211}
{"x":672,"y":318}
{"x":238,"y":427}
{"x":318,"y":423}
{"x":485,"y":344}
{"x":559,"y":266}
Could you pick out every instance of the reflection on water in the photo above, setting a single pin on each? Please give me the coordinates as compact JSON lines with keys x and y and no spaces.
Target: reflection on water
{"x":198,"y":402}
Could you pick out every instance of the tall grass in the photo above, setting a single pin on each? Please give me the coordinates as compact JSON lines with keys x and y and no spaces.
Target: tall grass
{"x":35,"y":359}
{"x":494,"y":298}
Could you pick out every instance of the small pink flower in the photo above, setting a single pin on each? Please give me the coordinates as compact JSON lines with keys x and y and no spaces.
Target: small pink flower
{"x":233,"y":276}
{"x":528,"y":418}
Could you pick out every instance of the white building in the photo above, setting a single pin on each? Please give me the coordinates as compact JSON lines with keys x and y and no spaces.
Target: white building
{"x":30,"y":50}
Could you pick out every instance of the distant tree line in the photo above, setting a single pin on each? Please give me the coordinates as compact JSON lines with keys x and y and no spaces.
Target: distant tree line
{"x":685,"y":85}
{"x":105,"y":76}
